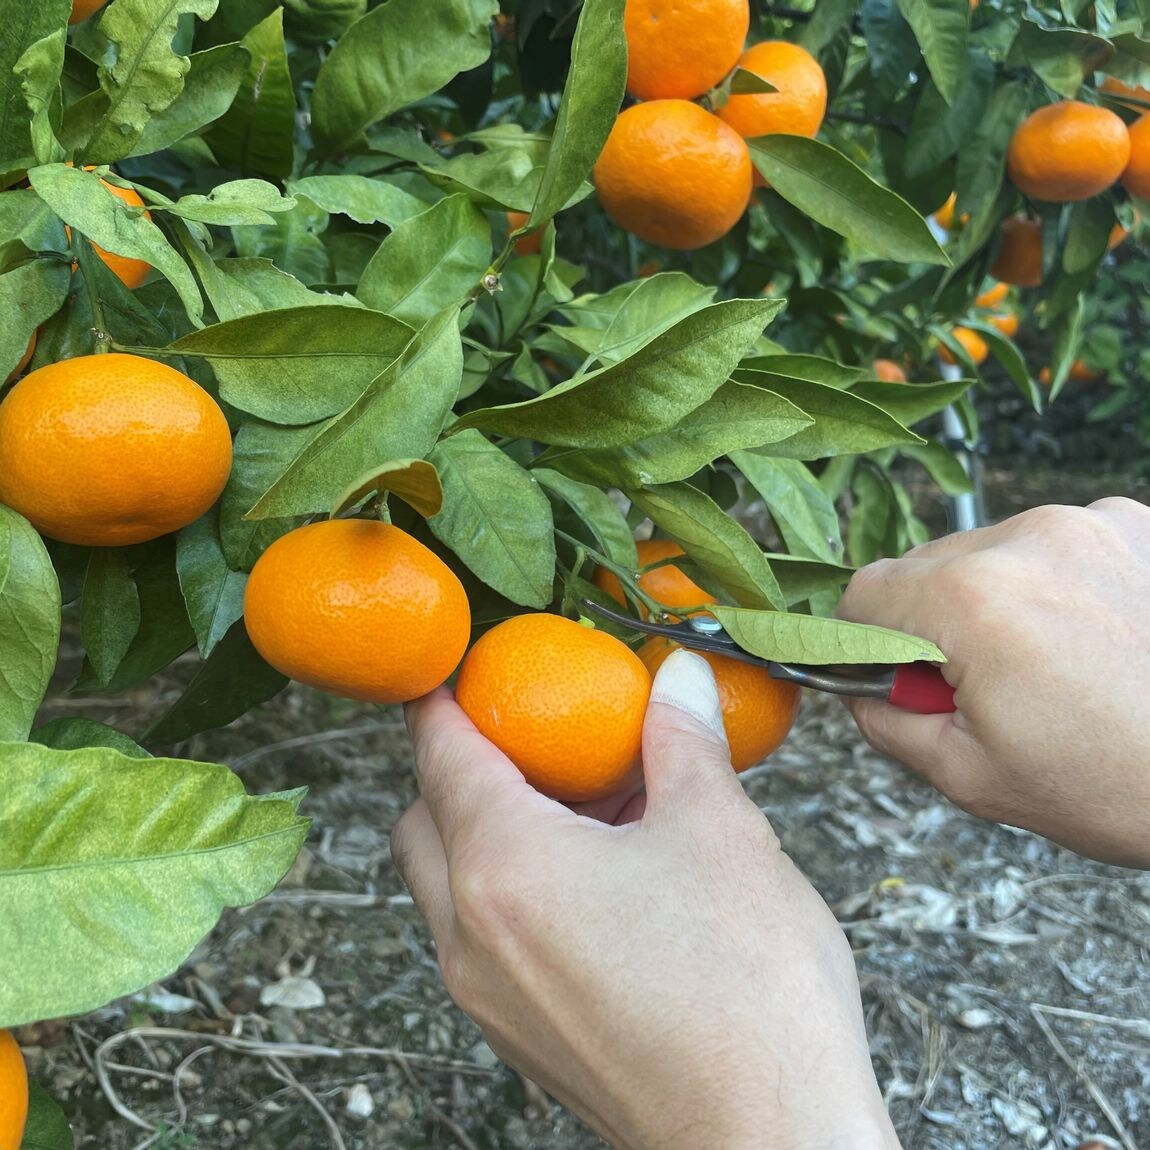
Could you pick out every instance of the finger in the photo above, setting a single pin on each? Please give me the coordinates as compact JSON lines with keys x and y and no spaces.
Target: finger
{"x":917,"y":741}
{"x":418,"y":854}
{"x":472,"y":788}
{"x":685,"y":752}
{"x":615,"y":810}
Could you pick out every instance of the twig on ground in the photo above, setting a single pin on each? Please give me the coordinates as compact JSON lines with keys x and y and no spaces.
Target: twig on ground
{"x":314,"y":739}
{"x":445,"y":1120}
{"x":279,"y":1070}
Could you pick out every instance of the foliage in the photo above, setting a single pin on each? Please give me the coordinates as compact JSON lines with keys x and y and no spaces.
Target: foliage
{"x":327,"y":189}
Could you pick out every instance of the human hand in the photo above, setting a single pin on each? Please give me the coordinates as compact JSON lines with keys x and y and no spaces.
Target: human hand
{"x":669,"y":975}
{"x":1045,"y":622}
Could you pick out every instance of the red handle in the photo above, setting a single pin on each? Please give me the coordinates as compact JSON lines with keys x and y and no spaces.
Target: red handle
{"x":920,"y":687}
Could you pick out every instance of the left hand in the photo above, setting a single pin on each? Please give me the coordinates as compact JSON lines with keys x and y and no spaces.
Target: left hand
{"x":667,"y":974}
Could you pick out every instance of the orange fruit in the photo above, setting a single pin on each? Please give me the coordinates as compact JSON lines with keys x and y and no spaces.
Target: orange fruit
{"x":564,"y":702}
{"x":357,"y":608}
{"x":1019,"y":259}
{"x":1136,"y":176}
{"x":82,"y":9}
{"x":1007,"y":323}
{"x":888,"y":371}
{"x":667,"y":584}
{"x":993,"y":296}
{"x":107,"y":450}
{"x":23,"y":359}
{"x":799,"y":105}
{"x":1116,"y":87}
{"x":529,"y":244}
{"x":673,"y":174}
{"x":1118,"y":236}
{"x":131,"y":273}
{"x":679,"y":51}
{"x":973,"y":344}
{"x":944,"y":216}
{"x":13,"y":1093}
{"x":1068,"y":151}
{"x":1080,"y":372}
{"x":758,"y":711}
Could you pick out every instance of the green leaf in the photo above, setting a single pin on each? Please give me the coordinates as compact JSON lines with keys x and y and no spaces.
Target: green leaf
{"x":941,"y":465}
{"x":805,"y":579}
{"x":39,"y":73}
{"x":23,"y":25}
{"x":844,"y":424}
{"x":937,"y":130}
{"x":982,"y":158}
{"x":365,"y":200}
{"x":69,"y":734}
{"x":802,"y":511}
{"x":383,"y":63}
{"x":213,"y":592}
{"x":399,"y":416}
{"x":117,"y":867}
{"x":257,"y":133}
{"x":46,"y":1128}
{"x":597,"y":511}
{"x":502,"y":177}
{"x":649,"y":392}
{"x":140,"y":74}
{"x":29,"y":621}
{"x":210,"y":86}
{"x":429,"y":262}
{"x":29,"y":294}
{"x":720,"y":546}
{"x":79,"y":199}
{"x":229,"y":683}
{"x":495,"y":518}
{"x":109,"y":611}
{"x":292,"y":366}
{"x":1062,"y":57}
{"x":911,"y":403}
{"x":812,"y":367}
{"x":235,"y":203}
{"x":589,"y":106}
{"x":807,"y":639}
{"x":825,"y":185}
{"x":941,"y":28}
{"x":415,"y":481}
{"x":735,"y":417}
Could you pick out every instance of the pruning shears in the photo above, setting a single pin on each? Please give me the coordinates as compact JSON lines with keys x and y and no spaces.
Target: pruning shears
{"x":918,"y":687}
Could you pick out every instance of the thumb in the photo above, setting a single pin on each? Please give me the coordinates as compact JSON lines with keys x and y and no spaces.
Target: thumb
{"x":685,"y":753}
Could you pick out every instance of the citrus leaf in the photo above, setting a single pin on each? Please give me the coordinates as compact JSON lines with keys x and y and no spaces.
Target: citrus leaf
{"x":117,"y":867}
{"x":79,"y":199}
{"x":805,"y":579}
{"x":502,"y":177}
{"x":825,"y":185}
{"x":23,"y":25}
{"x":29,"y":622}
{"x":29,"y":294}
{"x":938,"y":130}
{"x":649,"y":392}
{"x":141,"y":73}
{"x":288,"y":366}
{"x":38,"y":71}
{"x":257,"y":133}
{"x":982,"y":157}
{"x":807,"y":639}
{"x":47,"y":1128}
{"x":941,"y":28}
{"x":231,"y":681}
{"x":589,"y":106}
{"x":597,"y":511}
{"x":813,"y":367}
{"x":415,"y":481}
{"x":382,"y":63}
{"x":717,"y":543}
{"x":429,"y":262}
{"x":844,"y":424}
{"x":237,"y":203}
{"x":366,"y":201}
{"x":495,"y":518}
{"x":942,"y":466}
{"x":911,"y":403}
{"x":1062,"y":57}
{"x":213,"y":592}
{"x":398,"y":417}
{"x":69,"y":734}
{"x":109,"y":611}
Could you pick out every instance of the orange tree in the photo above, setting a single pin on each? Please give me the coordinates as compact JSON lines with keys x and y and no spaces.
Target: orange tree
{"x":376,"y":251}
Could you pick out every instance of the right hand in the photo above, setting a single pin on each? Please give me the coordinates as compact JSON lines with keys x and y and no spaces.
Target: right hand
{"x":1045,"y":622}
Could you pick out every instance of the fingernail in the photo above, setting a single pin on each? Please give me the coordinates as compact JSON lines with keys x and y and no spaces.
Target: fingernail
{"x":685,"y":681}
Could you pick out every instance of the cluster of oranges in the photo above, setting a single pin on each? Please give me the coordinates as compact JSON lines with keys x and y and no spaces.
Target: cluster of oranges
{"x":673,"y":172}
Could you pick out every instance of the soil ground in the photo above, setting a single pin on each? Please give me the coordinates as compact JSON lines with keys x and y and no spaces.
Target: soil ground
{"x":1005,"y":981}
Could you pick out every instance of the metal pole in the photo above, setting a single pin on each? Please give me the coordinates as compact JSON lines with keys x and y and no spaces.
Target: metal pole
{"x":963,"y":511}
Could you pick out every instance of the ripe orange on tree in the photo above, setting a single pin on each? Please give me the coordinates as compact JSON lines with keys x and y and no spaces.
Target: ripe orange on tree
{"x":993,"y":296}
{"x":107,"y":450}
{"x":1136,"y":176}
{"x":1068,"y":151}
{"x":13,"y":1093}
{"x":357,"y":608}
{"x":758,"y":711}
{"x":130,"y":272}
{"x":24,"y":359}
{"x":1019,"y":259}
{"x":673,"y":174}
{"x":1007,"y":323}
{"x":82,"y":9}
{"x":529,"y":244}
{"x":1117,"y":87}
{"x":1080,"y":372}
{"x":667,"y":584}
{"x":972,"y":343}
{"x":564,"y":702}
{"x":888,"y":371}
{"x":679,"y":51}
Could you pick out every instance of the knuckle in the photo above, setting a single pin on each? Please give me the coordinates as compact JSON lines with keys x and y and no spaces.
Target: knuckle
{"x":865,"y":585}
{"x":486,"y":891}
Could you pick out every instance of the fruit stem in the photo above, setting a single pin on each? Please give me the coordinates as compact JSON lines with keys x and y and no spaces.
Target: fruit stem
{"x":82,"y":248}
{"x":625,"y":575}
